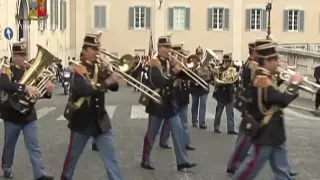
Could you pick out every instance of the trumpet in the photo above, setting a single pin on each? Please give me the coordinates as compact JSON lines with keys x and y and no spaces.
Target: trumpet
{"x":121,"y":66}
{"x":306,"y":85}
{"x":180,"y":58}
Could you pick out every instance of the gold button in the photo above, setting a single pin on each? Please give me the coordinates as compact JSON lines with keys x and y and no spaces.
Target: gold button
{"x":97,"y":106}
{"x":97,"y":99}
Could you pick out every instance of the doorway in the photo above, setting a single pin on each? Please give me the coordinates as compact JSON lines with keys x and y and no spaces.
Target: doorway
{"x":23,"y":24}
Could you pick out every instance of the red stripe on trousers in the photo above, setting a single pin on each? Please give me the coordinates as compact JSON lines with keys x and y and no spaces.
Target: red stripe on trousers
{"x":68,"y":158}
{"x":4,"y":147}
{"x":146,"y":141}
{"x":236,"y":158}
{"x":252,"y":164}
{"x":163,"y":129}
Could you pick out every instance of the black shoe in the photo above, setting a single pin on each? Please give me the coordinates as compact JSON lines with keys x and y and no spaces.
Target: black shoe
{"x":203,"y":126}
{"x":94,"y":147}
{"x":45,"y":177}
{"x":292,"y":174}
{"x":147,"y":166}
{"x":165,"y":146}
{"x":185,"y":166}
{"x":217,"y":131}
{"x":194,"y":124}
{"x":190,"y":148}
{"x":7,"y":175}
{"x":232,"y":133}
{"x":229,"y":171}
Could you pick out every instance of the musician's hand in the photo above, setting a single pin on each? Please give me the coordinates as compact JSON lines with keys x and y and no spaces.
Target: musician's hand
{"x":32,"y":91}
{"x":176,"y":68}
{"x":113,"y":79}
{"x":49,"y":87}
{"x":296,"y":79}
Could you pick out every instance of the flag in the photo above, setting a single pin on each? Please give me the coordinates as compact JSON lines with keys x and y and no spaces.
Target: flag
{"x":150,"y":53}
{"x":42,"y":8}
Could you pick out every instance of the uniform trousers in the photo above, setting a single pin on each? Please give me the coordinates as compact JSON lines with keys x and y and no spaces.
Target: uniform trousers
{"x":258,"y":155}
{"x":107,"y":152}
{"x":164,"y":133}
{"x":230,"y":116}
{"x":178,"y":139}
{"x":199,"y":107}
{"x":183,"y":115}
{"x":240,"y":151}
{"x":30,"y":134}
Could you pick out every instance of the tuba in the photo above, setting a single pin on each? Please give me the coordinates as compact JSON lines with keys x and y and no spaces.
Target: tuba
{"x":38,"y":74}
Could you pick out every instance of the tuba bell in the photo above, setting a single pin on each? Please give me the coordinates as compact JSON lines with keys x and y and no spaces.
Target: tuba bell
{"x":38,"y":74}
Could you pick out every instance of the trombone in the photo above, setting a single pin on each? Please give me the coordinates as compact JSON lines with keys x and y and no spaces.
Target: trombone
{"x":121,"y":66}
{"x":174,"y":55}
{"x":306,"y":85}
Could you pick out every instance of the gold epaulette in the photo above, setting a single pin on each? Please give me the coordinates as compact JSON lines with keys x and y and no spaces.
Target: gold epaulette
{"x":262,"y":81}
{"x":5,"y":70}
{"x":154,"y":63}
{"x":80,"y":69}
{"x":253,"y":65}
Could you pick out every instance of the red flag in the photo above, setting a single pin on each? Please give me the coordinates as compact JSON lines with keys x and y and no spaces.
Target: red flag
{"x":42,"y":8}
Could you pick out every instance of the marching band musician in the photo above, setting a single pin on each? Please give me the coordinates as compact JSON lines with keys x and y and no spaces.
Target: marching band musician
{"x":182,"y":91}
{"x":86,"y":112}
{"x":243,"y":142}
{"x":199,"y":97}
{"x":264,"y":118}
{"x":160,"y":77}
{"x":14,"y":121}
{"x":224,"y":95}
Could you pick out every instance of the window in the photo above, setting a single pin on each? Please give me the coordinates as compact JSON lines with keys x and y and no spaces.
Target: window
{"x":294,"y":20}
{"x":63,"y":15}
{"x":256,"y":19}
{"x":139,"y":17}
{"x":218,"y":19}
{"x":179,"y":18}
{"x":54,"y":18}
{"x":100,"y":17}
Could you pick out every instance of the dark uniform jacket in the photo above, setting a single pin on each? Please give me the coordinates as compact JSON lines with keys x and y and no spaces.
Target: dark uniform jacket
{"x":266,"y":107}
{"x":91,"y":118}
{"x":159,"y":79}
{"x":316,"y":74}
{"x":181,"y":86}
{"x":223,"y":93}
{"x":9,"y":83}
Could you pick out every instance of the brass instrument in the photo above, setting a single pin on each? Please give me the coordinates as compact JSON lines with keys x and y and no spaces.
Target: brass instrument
{"x":4,"y":62}
{"x":38,"y":74}
{"x":180,"y":59}
{"x":121,"y":66}
{"x":228,"y":76}
{"x":306,"y":85}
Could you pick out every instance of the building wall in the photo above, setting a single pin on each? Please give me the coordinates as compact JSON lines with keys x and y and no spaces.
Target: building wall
{"x":57,"y":42}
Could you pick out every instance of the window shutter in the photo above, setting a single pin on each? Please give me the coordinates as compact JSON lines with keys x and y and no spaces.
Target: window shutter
{"x":264,"y":19}
{"x":96,"y":17}
{"x":248,"y":18}
{"x":65,"y":15}
{"x":226,"y":20}
{"x":210,"y":19}
{"x":56,"y":11}
{"x":301,"y":21}
{"x":51,"y":14}
{"x":285,"y":20}
{"x":148,"y":17}
{"x":187,"y":23}
{"x":131,"y":17}
{"x":170,"y":18}
{"x":61,"y":15}
{"x":103,"y":15}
